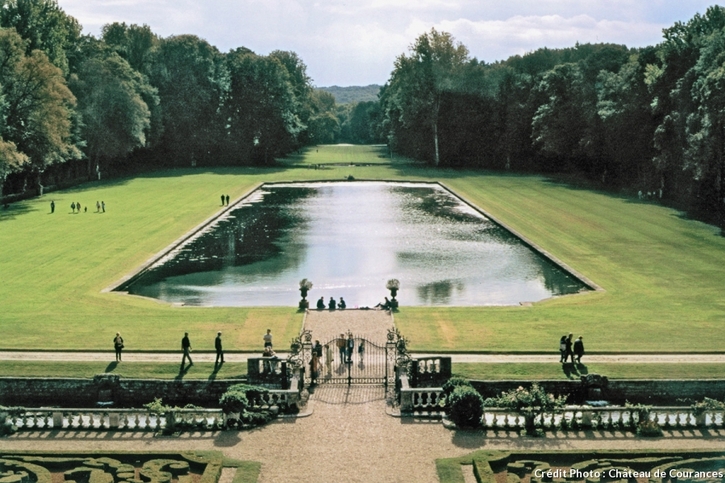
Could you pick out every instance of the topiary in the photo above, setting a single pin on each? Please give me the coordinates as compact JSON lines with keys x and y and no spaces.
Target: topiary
{"x":465,"y":407}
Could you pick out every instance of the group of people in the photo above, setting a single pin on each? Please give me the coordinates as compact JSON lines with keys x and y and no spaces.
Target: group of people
{"x":571,"y":348}
{"x":186,"y":348}
{"x":345,"y":347}
{"x":76,"y":207}
{"x":225,"y":200}
{"x":332,"y":305}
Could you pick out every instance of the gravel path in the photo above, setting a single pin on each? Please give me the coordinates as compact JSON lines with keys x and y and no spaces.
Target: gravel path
{"x":326,"y":325}
{"x":108,"y":356}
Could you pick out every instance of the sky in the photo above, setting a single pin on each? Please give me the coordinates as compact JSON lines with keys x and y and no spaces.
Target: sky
{"x":355,"y":42}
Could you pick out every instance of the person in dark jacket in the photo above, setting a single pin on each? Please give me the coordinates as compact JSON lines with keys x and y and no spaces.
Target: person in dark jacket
{"x":218,"y":347}
{"x":578,"y":350}
{"x":569,"y":351}
{"x":118,"y":345}
{"x":186,"y":348}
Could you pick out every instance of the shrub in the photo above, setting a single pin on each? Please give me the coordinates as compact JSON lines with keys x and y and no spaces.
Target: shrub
{"x":234,"y":401}
{"x":465,"y":407}
{"x":649,"y":429}
{"x":240,"y":398}
{"x":453,"y":383}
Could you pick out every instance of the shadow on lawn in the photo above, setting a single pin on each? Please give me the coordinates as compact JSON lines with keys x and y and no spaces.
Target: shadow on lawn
{"x":573,"y":370}
{"x":10,"y":211}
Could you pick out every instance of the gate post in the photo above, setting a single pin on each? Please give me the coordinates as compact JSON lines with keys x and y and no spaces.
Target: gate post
{"x":391,"y":354}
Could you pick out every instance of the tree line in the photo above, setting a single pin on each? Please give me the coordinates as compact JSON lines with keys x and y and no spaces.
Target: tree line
{"x":74,"y":106}
{"x":649,"y":121}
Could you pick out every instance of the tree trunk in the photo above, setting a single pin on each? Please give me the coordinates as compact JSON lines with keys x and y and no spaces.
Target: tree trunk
{"x":435,"y":142}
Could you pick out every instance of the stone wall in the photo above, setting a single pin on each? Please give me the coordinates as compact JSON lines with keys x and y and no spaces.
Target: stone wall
{"x":62,"y":392}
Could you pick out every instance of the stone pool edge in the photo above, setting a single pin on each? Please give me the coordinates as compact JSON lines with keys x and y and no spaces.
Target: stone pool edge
{"x":129,"y":278}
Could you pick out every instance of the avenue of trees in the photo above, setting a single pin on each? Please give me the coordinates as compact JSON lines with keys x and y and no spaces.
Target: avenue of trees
{"x":75,"y":107}
{"x":649,"y":119}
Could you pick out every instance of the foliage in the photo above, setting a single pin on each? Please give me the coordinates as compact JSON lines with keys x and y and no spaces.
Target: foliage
{"x":649,"y":428}
{"x":707,"y":404}
{"x":465,"y":406}
{"x":305,"y":284}
{"x":241,"y":398}
{"x":36,"y":109}
{"x":111,"y":100}
{"x":7,"y":414}
{"x":451,"y":384}
{"x":530,"y":403}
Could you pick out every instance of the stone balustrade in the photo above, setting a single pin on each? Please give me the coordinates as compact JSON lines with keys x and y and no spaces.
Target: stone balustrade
{"x":34,"y":419}
{"x":421,"y":401}
{"x":113,"y":419}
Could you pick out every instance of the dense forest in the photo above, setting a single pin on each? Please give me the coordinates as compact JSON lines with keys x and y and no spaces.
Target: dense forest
{"x":650,"y":121}
{"x":76,"y":107}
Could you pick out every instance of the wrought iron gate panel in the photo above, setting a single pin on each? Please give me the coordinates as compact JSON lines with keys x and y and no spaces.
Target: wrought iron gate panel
{"x":369,"y":365}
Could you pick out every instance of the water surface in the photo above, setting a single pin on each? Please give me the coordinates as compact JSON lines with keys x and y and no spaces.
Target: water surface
{"x":349,"y":238}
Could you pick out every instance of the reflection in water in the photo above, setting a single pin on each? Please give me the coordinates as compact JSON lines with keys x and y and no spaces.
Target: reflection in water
{"x":349,"y":238}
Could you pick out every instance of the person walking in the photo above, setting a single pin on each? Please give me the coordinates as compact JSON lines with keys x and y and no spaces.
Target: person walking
{"x":341,"y":344}
{"x":578,"y":350}
{"x":267,"y":338}
{"x":562,"y":348}
{"x":186,"y":348}
{"x":350,"y":346}
{"x":222,"y":200}
{"x":73,"y":206}
{"x":218,"y":347}
{"x":227,"y":198}
{"x":98,"y":206}
{"x":118,"y":346}
{"x":103,"y":206}
{"x":52,"y":206}
{"x":569,"y":351}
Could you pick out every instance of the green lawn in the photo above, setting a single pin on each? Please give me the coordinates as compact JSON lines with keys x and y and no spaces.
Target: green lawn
{"x":662,"y":274}
{"x":485,"y":372}
{"x":138,"y":370}
{"x":529,"y":371}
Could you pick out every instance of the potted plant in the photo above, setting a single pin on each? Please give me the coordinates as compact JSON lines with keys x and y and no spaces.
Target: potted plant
{"x":393,"y":285}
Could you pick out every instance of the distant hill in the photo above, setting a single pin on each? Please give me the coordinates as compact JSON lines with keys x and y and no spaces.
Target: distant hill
{"x":352,"y":94}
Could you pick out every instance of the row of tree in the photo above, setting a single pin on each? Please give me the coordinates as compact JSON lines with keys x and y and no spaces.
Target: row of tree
{"x":76,"y":106}
{"x":648,"y":119}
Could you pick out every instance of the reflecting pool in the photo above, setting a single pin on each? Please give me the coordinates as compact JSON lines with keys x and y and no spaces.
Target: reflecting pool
{"x":349,"y":238}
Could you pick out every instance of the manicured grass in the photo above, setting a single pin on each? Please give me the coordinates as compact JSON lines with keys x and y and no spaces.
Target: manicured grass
{"x":135,"y":370}
{"x":340,"y":154}
{"x":476,"y":371}
{"x":532,"y":371}
{"x":662,"y":274}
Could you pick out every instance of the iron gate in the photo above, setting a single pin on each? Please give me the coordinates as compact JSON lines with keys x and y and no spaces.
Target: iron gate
{"x":355,"y":360}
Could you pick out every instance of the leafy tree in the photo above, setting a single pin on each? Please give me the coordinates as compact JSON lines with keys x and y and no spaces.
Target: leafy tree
{"x":134,"y":43}
{"x":37,"y":108}
{"x":115,"y":116}
{"x":260,"y":108}
{"x":45,"y":26}
{"x":420,"y":79}
{"x":192,"y":83}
